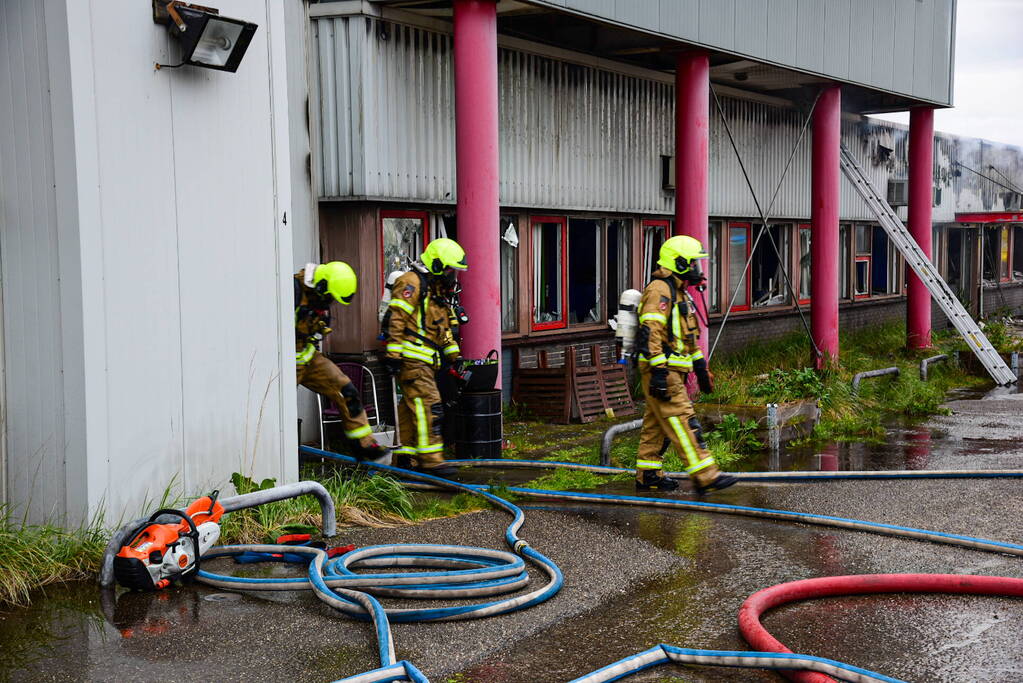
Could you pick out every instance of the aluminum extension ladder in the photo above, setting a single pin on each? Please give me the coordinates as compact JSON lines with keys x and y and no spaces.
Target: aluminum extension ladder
{"x":925,"y":270}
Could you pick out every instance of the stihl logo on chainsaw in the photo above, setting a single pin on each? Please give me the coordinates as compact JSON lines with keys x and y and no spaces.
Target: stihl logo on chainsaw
{"x":160,"y":553}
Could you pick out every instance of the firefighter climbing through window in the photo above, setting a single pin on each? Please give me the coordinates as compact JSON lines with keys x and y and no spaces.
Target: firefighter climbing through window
{"x":420,"y":345}
{"x":316,"y":288}
{"x":667,"y":351}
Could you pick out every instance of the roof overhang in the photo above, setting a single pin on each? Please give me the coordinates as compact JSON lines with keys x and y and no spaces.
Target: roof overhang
{"x":990,"y":217}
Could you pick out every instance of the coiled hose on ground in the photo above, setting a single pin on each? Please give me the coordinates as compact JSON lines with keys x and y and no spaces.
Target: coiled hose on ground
{"x":459,"y":572}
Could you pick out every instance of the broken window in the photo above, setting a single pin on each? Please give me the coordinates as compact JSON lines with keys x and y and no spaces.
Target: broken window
{"x":804,"y":264}
{"x":655,"y":232}
{"x":509,"y":237}
{"x":767,"y":272}
{"x":843,"y":256}
{"x":619,"y":261}
{"x":713,"y":268}
{"x":584,"y":240}
{"x":549,"y":235}
{"x":996,"y":254}
{"x":884,"y":258}
{"x":960,"y":253}
{"x":1017,"y":253}
{"x":403,"y":239}
{"x":737,"y":253}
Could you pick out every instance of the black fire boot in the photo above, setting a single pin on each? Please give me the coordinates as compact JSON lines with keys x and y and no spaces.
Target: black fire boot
{"x":723,"y":481}
{"x":651,"y":480}
{"x":443,"y":470}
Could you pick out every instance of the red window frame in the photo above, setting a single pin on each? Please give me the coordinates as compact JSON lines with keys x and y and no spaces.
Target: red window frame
{"x":869,"y":261}
{"x":799,"y":228}
{"x":422,"y":215}
{"x":653,"y":223}
{"x":726,"y":260}
{"x":563,"y":322}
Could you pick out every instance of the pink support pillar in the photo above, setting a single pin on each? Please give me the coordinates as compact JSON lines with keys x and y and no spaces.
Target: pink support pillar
{"x":921,"y":190}
{"x":476,"y":166}
{"x":692,"y":142}
{"x":824,"y":206}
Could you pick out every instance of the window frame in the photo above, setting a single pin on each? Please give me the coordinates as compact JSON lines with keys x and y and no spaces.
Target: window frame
{"x":800,"y":227}
{"x":563,"y":258}
{"x":653,"y":223}
{"x":727,"y":280}
{"x":424,"y":216}
{"x":862,"y":258}
{"x":1005,"y":249}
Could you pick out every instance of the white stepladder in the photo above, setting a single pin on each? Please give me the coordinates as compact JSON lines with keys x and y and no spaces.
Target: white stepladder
{"x":925,"y":270}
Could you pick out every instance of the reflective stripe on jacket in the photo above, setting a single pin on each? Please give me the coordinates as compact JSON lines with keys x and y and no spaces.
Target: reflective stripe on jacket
{"x":420,"y":326}
{"x":671,"y":328}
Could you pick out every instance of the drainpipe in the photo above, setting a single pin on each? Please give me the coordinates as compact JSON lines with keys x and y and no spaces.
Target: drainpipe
{"x":476,"y":166}
{"x":825,"y":200}
{"x":692,"y":144}
{"x":921,"y":198}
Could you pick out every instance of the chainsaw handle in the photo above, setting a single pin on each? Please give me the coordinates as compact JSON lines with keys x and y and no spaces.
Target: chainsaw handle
{"x":192,"y":530}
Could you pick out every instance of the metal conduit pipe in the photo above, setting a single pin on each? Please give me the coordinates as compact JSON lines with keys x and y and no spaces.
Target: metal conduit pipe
{"x":926,"y":362}
{"x":232,"y":503}
{"x":860,"y":376}
{"x":610,"y":434}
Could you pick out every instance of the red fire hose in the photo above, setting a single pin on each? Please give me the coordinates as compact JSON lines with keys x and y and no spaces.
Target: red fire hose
{"x":783,"y":593}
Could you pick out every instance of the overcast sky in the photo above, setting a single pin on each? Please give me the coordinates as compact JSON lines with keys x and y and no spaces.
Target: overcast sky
{"x":988,"y":92}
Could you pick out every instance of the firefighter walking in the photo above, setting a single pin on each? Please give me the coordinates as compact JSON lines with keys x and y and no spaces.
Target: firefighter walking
{"x":316,"y":288}
{"x":667,"y":350}
{"x":420,"y":344}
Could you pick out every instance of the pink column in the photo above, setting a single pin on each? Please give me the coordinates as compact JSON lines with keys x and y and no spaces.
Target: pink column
{"x":477,"y":171}
{"x":692,"y":142}
{"x":921,"y":189}
{"x":824,"y":207}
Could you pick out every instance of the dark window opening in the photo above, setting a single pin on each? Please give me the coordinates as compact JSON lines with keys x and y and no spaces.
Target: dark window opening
{"x":738,"y":253}
{"x":767,"y":275}
{"x":584,"y":270}
{"x":1017,"y":253}
{"x":619,"y":259}
{"x":509,"y":237}
{"x":548,"y":273}
{"x":990,"y":254}
{"x":655,"y":232}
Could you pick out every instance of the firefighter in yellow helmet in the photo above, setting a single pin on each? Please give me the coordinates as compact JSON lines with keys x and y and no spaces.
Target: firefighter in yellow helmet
{"x":667,"y":351}
{"x":419,"y":345}
{"x":316,"y":288}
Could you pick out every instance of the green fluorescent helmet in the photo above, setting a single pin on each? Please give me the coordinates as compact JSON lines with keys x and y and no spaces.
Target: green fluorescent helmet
{"x":336,"y":279}
{"x":444,"y":253}
{"x":679,"y":252}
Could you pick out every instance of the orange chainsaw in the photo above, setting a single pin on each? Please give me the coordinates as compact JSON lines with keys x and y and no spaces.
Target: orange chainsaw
{"x":159,"y":553}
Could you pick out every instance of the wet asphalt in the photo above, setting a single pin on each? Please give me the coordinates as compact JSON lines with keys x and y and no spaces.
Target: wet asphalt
{"x":634,"y":577}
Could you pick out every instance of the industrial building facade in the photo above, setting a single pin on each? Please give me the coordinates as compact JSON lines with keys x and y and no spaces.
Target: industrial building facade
{"x":151,"y":219}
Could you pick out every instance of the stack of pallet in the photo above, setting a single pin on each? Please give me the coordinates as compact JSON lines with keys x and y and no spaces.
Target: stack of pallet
{"x":573,"y":391}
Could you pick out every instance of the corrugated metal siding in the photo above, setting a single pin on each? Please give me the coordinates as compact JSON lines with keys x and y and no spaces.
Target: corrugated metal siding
{"x":33,"y":420}
{"x":578,"y":137}
{"x":901,"y":46}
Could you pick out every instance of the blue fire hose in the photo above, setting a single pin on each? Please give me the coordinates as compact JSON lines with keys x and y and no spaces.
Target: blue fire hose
{"x":468,"y":572}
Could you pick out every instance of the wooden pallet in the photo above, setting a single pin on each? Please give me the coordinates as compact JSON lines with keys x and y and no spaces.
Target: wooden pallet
{"x":586,"y":392}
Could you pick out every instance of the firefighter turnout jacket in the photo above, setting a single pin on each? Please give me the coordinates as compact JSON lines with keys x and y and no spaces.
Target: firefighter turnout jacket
{"x":418,"y":328}
{"x":668,"y":329}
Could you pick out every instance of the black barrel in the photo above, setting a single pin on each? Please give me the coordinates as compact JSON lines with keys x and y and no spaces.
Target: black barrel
{"x":478,"y":418}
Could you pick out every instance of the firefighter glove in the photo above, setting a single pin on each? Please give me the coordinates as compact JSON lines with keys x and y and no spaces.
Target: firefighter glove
{"x":659,"y":384}
{"x":703,"y":377}
{"x":392,"y":366}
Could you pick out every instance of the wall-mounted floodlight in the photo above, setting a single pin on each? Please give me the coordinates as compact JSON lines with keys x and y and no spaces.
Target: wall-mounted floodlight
{"x":207,"y":39}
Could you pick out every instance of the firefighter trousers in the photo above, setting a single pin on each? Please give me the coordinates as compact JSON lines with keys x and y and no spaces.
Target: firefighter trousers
{"x":420,"y":415}
{"x":675,"y":421}
{"x":324,"y":377}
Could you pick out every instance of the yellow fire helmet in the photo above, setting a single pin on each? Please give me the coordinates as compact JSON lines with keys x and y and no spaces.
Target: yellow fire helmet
{"x":444,"y":253}
{"x":679,"y":252}
{"x":336,"y":279}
